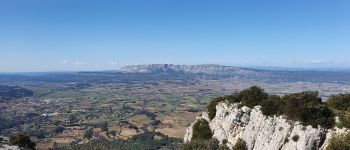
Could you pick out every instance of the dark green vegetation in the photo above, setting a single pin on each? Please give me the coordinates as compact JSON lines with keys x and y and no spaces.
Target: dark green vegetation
{"x":22,"y":140}
{"x":339,"y":102}
{"x":340,"y":142}
{"x":202,"y":138}
{"x":306,"y":107}
{"x":240,"y":145}
{"x":88,"y":134}
{"x":145,"y":141}
{"x":223,"y":146}
{"x":212,"y":106}
{"x":10,"y":92}
{"x":272,"y":105}
{"x":341,"y":105}
{"x":9,"y":123}
{"x":201,"y":130}
{"x":209,"y":144}
{"x":251,"y":97}
{"x":344,"y":118}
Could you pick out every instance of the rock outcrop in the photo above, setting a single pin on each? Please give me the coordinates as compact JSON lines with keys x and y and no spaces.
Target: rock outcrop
{"x":9,"y":147}
{"x":4,"y":144}
{"x":263,"y":132}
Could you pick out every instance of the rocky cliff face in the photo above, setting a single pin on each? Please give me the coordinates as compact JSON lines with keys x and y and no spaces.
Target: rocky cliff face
{"x":190,"y":69}
{"x":4,"y":144}
{"x":262,"y":132}
{"x":9,"y":147}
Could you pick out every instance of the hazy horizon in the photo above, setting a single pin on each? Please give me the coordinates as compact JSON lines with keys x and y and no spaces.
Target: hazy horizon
{"x":41,"y":36}
{"x":272,"y":68}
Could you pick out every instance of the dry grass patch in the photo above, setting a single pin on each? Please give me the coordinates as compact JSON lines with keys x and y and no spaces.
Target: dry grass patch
{"x":127,"y":133}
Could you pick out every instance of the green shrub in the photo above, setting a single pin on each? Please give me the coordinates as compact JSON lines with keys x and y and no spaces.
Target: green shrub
{"x":22,"y":140}
{"x":210,"y":144}
{"x":340,"y":142}
{"x":232,"y":98}
{"x":308,"y":108}
{"x":344,"y":118}
{"x":212,"y":108}
{"x":201,"y":130}
{"x":224,"y":141}
{"x":223,"y":146}
{"x":88,"y":134}
{"x":272,"y":105}
{"x":296,"y":102}
{"x":240,"y":145}
{"x":341,"y":105}
{"x":317,"y":115}
{"x":212,"y":105}
{"x":58,"y":129}
{"x":339,"y":102}
{"x":252,"y":96}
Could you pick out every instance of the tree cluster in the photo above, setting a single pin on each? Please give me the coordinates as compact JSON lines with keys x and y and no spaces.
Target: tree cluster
{"x":340,"y":103}
{"x":22,"y":140}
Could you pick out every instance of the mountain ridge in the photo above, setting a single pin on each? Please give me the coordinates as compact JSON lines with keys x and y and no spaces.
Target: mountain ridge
{"x":207,"y":69}
{"x":219,"y":71}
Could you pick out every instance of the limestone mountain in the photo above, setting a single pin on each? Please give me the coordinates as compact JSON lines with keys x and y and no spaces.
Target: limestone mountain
{"x":219,"y":71}
{"x":208,"y":69}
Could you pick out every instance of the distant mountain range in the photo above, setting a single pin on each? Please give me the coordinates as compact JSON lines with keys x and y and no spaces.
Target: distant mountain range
{"x":181,"y":72}
{"x":218,"y":71}
{"x":207,"y":69}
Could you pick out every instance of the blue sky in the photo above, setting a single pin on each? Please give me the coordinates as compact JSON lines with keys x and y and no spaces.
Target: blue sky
{"x":62,"y":35}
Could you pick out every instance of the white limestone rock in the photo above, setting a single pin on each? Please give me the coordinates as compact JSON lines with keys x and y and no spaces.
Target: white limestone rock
{"x":261,"y":132}
{"x":8,"y":147}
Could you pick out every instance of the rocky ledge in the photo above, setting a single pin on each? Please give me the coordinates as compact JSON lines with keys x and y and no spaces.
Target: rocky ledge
{"x":262,"y":132}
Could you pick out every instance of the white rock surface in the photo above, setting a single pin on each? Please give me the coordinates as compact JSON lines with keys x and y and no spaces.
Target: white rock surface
{"x":5,"y":146}
{"x":262,"y":132}
{"x":9,"y":147}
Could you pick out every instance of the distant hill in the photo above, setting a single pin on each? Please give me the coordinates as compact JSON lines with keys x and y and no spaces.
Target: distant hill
{"x":9,"y":92}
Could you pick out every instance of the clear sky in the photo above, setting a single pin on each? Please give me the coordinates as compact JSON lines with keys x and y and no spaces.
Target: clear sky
{"x":60,"y":35}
